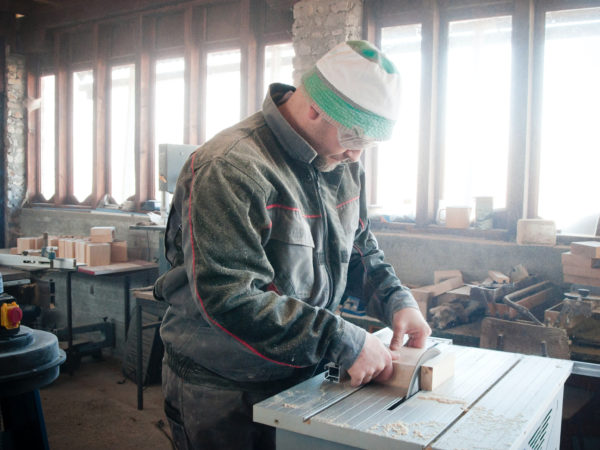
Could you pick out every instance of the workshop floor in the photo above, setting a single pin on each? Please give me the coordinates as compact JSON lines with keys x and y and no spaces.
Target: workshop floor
{"x":96,"y":408}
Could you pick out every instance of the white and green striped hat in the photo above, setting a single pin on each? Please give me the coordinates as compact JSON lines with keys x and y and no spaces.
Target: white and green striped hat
{"x":357,"y":86}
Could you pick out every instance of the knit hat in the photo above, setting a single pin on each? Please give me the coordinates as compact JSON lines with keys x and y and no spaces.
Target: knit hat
{"x":358,"y":87}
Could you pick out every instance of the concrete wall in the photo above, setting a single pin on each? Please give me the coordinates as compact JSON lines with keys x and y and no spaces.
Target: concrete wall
{"x":416,"y":256}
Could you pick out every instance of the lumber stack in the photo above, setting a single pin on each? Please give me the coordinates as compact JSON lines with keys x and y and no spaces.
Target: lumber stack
{"x":582,"y":264}
{"x":100,"y":248}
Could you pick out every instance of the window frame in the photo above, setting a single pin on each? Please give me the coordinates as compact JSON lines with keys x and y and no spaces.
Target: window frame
{"x":193,"y":44}
{"x":527,"y":39}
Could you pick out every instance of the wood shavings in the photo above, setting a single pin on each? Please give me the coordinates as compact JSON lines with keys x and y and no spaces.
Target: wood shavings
{"x":290,"y":405}
{"x":445,"y":400}
{"x":392,"y":428}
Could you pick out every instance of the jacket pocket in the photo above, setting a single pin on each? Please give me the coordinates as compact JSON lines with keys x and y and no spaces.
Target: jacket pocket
{"x":290,"y":251}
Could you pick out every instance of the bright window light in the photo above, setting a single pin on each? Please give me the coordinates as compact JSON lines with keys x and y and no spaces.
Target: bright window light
{"x":279,"y":66}
{"x":222,"y":91}
{"x":47,"y":136}
{"x":477,"y":111}
{"x":83,"y":133}
{"x":397,"y":158}
{"x":169,"y":105}
{"x":122,"y":129}
{"x":570,"y":139}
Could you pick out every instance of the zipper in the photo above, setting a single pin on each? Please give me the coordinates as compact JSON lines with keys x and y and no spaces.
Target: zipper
{"x":315,"y":175}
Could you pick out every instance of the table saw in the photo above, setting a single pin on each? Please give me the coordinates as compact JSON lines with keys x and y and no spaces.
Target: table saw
{"x":494,"y":400}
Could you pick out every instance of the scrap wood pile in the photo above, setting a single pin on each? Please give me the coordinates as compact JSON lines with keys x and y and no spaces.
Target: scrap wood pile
{"x":579,"y":312}
{"x":100,"y":248}
{"x":450,"y":301}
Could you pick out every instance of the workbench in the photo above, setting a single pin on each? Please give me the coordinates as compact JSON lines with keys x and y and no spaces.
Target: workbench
{"x":495,"y":400}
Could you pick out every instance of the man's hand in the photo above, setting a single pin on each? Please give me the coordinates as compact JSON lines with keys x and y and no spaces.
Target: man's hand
{"x":374,"y":361}
{"x":409,"y":321}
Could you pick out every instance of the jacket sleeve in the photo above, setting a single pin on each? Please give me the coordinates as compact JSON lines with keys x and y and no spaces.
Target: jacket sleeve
{"x":373,"y":280}
{"x":224,"y":223}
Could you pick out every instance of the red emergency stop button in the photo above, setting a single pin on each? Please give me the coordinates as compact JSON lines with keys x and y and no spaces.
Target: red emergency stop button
{"x":10,"y":315}
{"x":14,"y":315}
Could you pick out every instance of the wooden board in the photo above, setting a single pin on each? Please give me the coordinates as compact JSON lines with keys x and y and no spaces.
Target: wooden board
{"x":524,"y":338}
{"x":589,"y":249}
{"x":129,"y":266}
{"x":579,"y":271}
{"x":579,"y":260}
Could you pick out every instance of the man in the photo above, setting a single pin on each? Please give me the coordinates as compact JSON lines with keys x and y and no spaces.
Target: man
{"x":268,"y":229}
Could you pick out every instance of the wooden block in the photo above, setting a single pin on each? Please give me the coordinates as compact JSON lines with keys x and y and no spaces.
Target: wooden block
{"x":579,"y":260}
{"x":97,"y":253}
{"x":437,"y":370}
{"x":53,"y":241}
{"x":498,"y":277}
{"x":443,"y":287}
{"x":25,"y":243}
{"x":39,"y":242}
{"x":102,"y":234}
{"x":69,"y":248}
{"x":567,"y":278}
{"x":442,"y":275}
{"x":80,"y":252}
{"x":588,"y":272}
{"x":589,"y":249}
{"x":404,"y":361}
{"x":118,"y":251}
{"x":14,"y":251}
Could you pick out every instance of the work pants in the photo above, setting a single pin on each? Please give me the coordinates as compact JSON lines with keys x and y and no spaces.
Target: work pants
{"x":209,"y":417}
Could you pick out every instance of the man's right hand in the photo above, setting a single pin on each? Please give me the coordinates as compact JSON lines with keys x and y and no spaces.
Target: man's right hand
{"x":374,"y":361}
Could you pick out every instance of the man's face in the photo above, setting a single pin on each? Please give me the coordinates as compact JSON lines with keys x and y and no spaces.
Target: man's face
{"x":331,"y":153}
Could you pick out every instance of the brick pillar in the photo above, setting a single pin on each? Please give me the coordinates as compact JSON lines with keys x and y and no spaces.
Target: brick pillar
{"x":321,"y":24}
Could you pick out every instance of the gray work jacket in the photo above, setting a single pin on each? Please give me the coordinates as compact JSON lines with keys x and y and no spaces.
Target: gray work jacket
{"x":263,"y":247}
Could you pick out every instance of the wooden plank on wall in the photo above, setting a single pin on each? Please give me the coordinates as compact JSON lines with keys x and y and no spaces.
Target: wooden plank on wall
{"x":169,"y":31}
{"x":144,"y":101}
{"x":223,"y":21}
{"x":249,"y":52}
{"x":62,"y":119}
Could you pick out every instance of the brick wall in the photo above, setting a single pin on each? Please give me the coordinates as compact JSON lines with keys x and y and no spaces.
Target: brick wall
{"x":321,"y":24}
{"x":15,"y":143}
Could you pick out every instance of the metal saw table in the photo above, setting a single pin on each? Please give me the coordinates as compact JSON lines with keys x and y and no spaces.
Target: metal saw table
{"x":495,"y":400}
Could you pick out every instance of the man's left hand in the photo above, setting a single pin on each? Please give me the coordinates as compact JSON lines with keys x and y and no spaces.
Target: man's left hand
{"x":409,"y":321}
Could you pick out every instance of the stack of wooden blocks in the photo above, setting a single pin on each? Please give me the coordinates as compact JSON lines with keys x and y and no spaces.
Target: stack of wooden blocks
{"x":98,"y":249}
{"x":582,"y":264}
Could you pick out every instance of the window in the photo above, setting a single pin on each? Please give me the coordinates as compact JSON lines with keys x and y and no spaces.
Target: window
{"x":477,"y":110}
{"x":570,"y":137}
{"x":279,"y":66}
{"x":122,"y":129}
{"x":397,"y":194}
{"x":47,"y":136}
{"x":169,"y":107}
{"x":222,"y":91}
{"x":83,"y":133}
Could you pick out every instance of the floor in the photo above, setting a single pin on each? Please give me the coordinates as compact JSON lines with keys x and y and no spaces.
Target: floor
{"x":96,"y":408}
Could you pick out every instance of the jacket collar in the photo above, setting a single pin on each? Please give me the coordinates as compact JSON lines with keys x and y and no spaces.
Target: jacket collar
{"x":292,"y":143}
